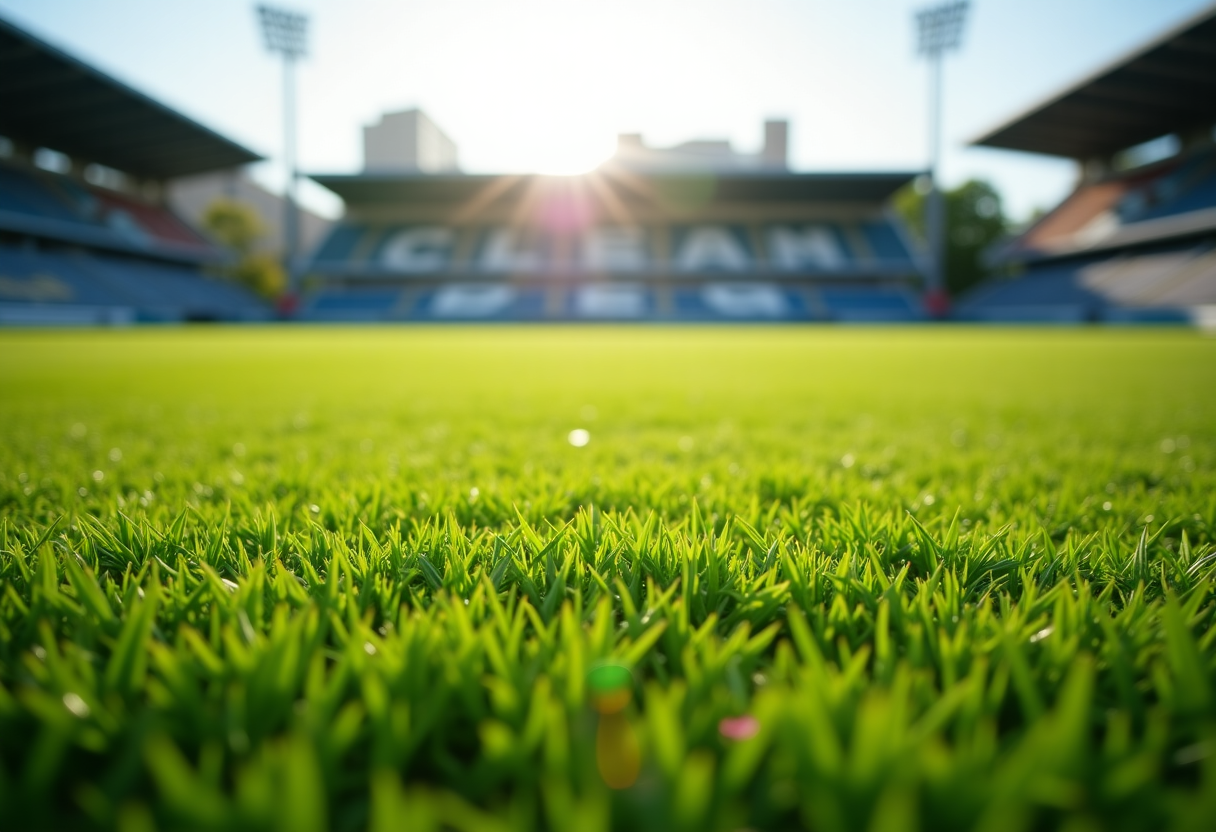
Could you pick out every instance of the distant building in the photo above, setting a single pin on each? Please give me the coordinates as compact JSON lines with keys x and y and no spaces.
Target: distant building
{"x":705,"y":154}
{"x":407,"y":142}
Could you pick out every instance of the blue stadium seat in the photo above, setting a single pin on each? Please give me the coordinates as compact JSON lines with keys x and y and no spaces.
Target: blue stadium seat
{"x":725,"y":301}
{"x":332,"y":301}
{"x":156,"y":291}
{"x":1192,"y":196}
{"x":351,"y":305}
{"x":340,"y":244}
{"x":876,"y":305}
{"x":21,"y":191}
{"x":885,"y":243}
{"x":529,"y":305}
{"x":689,"y":305}
{"x":455,"y":302}
{"x":172,"y":292}
{"x":1188,"y":186}
{"x":37,"y":277}
{"x":1046,"y":293}
{"x":738,"y":302}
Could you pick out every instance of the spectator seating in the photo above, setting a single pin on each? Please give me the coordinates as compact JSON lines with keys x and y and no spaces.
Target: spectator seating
{"x":124,"y":288}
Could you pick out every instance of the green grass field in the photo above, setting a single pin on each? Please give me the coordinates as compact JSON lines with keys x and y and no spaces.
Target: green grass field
{"x":298,"y":579}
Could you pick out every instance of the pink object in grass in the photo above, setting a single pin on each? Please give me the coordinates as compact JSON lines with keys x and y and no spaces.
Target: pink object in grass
{"x":739,"y":727}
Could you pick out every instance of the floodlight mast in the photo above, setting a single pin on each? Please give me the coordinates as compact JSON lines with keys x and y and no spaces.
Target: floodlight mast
{"x":940,"y":30}
{"x":286,"y":33}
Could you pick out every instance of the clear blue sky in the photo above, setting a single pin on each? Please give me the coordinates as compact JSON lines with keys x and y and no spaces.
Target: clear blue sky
{"x":545,"y":85}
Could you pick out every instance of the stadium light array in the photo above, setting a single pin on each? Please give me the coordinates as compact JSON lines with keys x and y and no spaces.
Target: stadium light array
{"x":940,"y":30}
{"x":286,"y":33}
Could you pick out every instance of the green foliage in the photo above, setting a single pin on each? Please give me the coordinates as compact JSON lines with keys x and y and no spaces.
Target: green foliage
{"x":262,"y":273}
{"x":234,"y":224}
{"x":975,"y":220}
{"x":358,"y":579}
{"x":237,"y":227}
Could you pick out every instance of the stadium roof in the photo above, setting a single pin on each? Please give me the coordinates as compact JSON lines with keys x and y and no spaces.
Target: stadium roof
{"x":404,"y":189}
{"x":50,"y":99}
{"x":1165,"y":86}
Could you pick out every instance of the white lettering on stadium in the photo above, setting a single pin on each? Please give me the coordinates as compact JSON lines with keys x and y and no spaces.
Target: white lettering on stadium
{"x":419,"y":250}
{"x":623,"y":250}
{"x":711,"y":248}
{"x":793,"y":250}
{"x":503,"y":253}
{"x":614,"y":249}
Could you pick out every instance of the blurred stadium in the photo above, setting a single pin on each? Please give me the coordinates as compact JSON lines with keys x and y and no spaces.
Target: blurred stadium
{"x":1136,"y":240}
{"x":695,"y":232}
{"x":86,"y":234}
{"x":103,"y":192}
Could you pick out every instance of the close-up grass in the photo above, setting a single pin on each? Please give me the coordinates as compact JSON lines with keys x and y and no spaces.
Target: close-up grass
{"x":836,"y":579}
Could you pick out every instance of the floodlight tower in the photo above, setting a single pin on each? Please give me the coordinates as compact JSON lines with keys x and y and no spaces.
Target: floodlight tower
{"x":940,"y":30}
{"x":286,"y":33}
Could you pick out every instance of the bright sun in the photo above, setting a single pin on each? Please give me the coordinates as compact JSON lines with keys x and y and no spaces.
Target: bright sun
{"x":571,"y":159}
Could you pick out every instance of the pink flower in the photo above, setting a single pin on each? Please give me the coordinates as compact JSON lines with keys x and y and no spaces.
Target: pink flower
{"x":739,"y":727}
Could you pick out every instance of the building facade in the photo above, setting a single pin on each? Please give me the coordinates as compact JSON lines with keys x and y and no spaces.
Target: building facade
{"x":407,"y":142}
{"x":717,"y":155}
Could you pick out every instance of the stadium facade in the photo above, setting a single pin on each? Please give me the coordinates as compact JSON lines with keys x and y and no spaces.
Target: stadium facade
{"x":1136,"y":240}
{"x":692,"y":233}
{"x":86,"y":234}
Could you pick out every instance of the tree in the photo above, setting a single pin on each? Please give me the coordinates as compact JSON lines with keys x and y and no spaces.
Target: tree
{"x":975,"y":219}
{"x":237,"y":227}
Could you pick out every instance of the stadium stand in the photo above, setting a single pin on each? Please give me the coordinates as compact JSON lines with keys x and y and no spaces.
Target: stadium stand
{"x":1133,"y":242}
{"x":94,"y":242}
{"x":744,"y":241}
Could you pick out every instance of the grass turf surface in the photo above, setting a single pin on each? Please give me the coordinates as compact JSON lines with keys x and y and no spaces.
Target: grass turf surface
{"x":308,"y":578}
